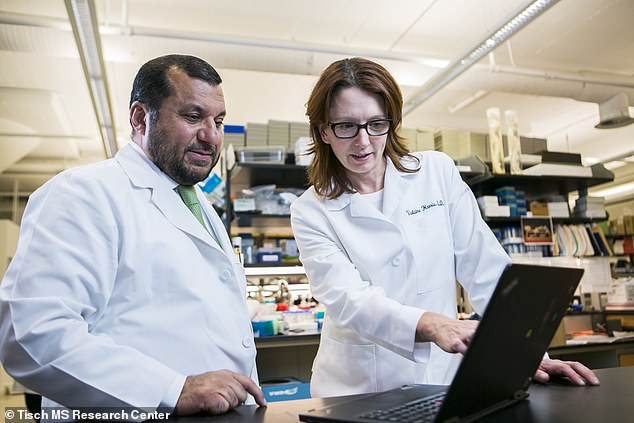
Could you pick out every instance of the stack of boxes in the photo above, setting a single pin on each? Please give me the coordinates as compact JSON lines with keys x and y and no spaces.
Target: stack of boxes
{"x":554,"y":207}
{"x":275,"y":133}
{"x":272,"y":139}
{"x":514,"y":199}
{"x":234,"y":135}
{"x":558,"y":207}
{"x":278,"y":133}
{"x":590,"y":207}
{"x":257,"y":134}
{"x":297,"y":130}
{"x":461,"y":144}
{"x":418,"y":139}
{"x":490,"y":207}
{"x":622,"y":225}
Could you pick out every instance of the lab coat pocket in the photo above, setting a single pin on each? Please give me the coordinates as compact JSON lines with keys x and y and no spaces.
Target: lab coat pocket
{"x":342,"y":368}
{"x":429,"y":238}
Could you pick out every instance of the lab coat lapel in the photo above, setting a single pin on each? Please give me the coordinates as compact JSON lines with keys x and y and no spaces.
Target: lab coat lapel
{"x":358,"y":207}
{"x":362,"y":208}
{"x":395,"y":188}
{"x":143,"y":174}
{"x":217,"y":226}
{"x":181,"y":217}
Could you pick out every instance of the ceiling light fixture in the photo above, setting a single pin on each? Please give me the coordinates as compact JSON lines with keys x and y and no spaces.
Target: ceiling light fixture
{"x":614,"y":164}
{"x":517,"y":20}
{"x":83,"y":19}
{"x":467,"y":101}
{"x":615,"y":191}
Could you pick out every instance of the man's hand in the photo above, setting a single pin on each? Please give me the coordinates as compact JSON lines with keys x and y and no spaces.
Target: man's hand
{"x":216,"y":393}
{"x":451,"y":335}
{"x":573,"y":370}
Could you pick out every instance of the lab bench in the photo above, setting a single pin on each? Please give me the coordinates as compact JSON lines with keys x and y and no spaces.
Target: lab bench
{"x":597,"y":355}
{"x":293,"y":355}
{"x":553,"y":402}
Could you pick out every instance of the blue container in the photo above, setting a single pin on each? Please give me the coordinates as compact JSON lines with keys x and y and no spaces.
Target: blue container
{"x":285,"y":389}
{"x":234,"y":129}
{"x":263,"y":328}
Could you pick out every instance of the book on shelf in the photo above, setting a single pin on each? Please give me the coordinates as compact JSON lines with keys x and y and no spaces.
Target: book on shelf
{"x":603,"y":242}
{"x":618,"y":246}
{"x":628,"y":245}
{"x":582,"y":240}
{"x":590,"y":207}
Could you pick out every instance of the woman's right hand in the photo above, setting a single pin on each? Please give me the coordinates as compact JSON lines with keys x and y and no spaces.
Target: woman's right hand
{"x":452,"y":335}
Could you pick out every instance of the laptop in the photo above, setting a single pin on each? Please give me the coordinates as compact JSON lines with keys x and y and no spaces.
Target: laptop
{"x":518,"y":325}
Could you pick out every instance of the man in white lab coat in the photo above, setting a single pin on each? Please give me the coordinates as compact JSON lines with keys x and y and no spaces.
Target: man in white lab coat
{"x":117,"y":295}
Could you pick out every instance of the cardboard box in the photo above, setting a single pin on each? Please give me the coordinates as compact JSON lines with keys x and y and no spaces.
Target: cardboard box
{"x":285,"y":389}
{"x":539,"y":208}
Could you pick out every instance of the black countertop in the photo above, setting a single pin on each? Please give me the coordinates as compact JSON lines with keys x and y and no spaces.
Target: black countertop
{"x":613,"y":401}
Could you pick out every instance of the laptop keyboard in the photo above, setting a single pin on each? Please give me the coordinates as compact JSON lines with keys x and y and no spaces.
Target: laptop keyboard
{"x":420,"y":410}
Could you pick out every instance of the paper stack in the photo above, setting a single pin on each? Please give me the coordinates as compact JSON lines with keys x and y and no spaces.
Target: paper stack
{"x":234,"y":135}
{"x":278,"y":133}
{"x":298,"y":130}
{"x":558,"y":209}
{"x":257,"y":134}
{"x":590,"y":207}
{"x":490,"y":207}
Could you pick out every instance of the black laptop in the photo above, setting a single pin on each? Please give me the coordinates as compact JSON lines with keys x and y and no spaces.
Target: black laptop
{"x":515,"y":331}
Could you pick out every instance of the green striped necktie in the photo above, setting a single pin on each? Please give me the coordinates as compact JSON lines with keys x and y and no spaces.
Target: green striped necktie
{"x":188,"y":194}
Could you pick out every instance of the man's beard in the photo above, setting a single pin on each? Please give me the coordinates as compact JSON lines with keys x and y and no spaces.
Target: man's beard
{"x":171,"y":159}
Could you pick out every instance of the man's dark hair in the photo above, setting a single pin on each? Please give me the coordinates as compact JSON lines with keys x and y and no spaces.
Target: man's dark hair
{"x":151,"y":84}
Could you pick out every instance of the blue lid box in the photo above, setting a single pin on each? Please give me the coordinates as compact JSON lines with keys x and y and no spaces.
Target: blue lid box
{"x":285,"y":389}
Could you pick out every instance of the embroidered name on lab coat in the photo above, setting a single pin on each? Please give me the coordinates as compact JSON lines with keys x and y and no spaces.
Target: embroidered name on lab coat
{"x":424,"y":207}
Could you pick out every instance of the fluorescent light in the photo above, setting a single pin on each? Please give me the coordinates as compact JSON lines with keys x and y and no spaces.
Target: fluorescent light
{"x":629,"y":158}
{"x":590,"y":160}
{"x":614,"y":191}
{"x":83,"y":19}
{"x":614,"y":164}
{"x":517,"y":20}
{"x":467,"y":101}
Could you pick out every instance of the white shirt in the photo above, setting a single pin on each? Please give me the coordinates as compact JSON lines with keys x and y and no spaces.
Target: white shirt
{"x":377,"y":273}
{"x":116,"y":292}
{"x":375,"y":199}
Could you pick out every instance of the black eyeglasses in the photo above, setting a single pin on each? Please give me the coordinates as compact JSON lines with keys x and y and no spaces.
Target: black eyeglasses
{"x":350,"y":129}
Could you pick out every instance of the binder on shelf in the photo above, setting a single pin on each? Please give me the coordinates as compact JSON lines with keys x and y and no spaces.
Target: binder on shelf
{"x":603,"y":242}
{"x":595,"y":244}
{"x":628,"y":245}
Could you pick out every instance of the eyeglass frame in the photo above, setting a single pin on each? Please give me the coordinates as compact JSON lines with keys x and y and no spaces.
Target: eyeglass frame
{"x":359,"y":126}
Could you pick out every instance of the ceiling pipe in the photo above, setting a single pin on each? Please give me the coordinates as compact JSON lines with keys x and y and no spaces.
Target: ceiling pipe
{"x":591,"y":88}
{"x":524,"y":15}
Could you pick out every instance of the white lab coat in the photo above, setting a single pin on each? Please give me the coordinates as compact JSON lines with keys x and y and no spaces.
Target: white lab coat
{"x":376,"y":273}
{"x":116,"y":292}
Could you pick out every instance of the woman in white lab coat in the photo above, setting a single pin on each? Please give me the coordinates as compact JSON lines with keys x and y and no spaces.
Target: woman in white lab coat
{"x":384,"y":235}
